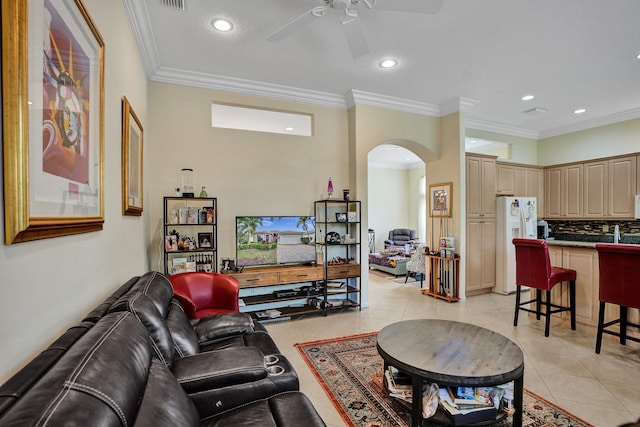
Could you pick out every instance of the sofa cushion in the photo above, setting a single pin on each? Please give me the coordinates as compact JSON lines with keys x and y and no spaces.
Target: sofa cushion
{"x":184,"y":337}
{"x":101,"y":377}
{"x":145,"y":310}
{"x":165,"y":403}
{"x":282,"y":410}
{"x":212,"y":328}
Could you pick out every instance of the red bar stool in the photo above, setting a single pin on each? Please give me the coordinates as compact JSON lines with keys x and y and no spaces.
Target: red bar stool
{"x":619,"y":284}
{"x":533,"y":269}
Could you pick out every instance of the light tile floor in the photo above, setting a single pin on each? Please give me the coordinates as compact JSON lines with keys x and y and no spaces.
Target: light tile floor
{"x":603,"y":389}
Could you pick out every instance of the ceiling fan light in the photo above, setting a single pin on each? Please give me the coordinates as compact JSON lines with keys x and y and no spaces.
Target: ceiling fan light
{"x":221,"y":25}
{"x":388,"y":63}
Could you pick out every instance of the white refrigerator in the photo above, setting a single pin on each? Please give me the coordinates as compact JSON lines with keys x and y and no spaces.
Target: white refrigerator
{"x":515,"y":217}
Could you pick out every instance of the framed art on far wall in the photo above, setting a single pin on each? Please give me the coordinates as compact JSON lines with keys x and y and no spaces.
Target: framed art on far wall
{"x":132,"y":140}
{"x":53,"y":144}
{"x":440,"y":198}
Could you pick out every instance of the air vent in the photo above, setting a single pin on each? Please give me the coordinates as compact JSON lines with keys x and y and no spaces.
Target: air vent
{"x":535,"y":111}
{"x":175,"y":4}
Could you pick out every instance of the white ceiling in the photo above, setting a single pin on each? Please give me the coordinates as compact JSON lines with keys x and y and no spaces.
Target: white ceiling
{"x":483,"y":55}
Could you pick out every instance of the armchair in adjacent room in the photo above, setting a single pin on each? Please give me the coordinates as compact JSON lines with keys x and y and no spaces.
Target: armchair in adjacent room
{"x":203,"y":294}
{"x":401,"y":237}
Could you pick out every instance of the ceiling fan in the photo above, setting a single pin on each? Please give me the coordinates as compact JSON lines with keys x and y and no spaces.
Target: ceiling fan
{"x":350,"y":21}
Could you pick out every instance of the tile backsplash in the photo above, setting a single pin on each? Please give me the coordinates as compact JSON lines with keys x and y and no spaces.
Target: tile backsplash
{"x":593,"y":230}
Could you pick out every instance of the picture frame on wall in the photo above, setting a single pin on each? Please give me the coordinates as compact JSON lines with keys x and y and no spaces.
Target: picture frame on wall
{"x":132,"y":145}
{"x":440,"y":200}
{"x":53,"y":144}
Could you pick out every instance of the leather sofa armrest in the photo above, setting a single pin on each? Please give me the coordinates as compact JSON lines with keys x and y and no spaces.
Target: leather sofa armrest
{"x":211,"y":328}
{"x":220,"y":368}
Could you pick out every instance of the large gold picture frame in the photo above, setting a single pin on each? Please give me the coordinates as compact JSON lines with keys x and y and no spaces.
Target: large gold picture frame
{"x":440,"y":199}
{"x":53,"y":124}
{"x":132,"y":139}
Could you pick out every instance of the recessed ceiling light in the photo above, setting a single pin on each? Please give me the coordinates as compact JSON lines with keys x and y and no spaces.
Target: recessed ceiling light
{"x":473,"y":141}
{"x":579,"y":111}
{"x":289,"y":128}
{"x":388,"y":63}
{"x":528,"y":97}
{"x":221,"y":24}
{"x":638,"y":56}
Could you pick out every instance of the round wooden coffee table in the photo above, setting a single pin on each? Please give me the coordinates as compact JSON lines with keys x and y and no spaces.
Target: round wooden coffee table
{"x":452,"y":354}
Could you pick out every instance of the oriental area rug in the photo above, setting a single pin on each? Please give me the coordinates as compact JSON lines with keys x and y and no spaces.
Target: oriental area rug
{"x":350,"y":371}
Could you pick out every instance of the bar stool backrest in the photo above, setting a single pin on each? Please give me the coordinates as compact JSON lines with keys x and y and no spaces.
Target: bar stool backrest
{"x":619,"y":274}
{"x":533,"y":266}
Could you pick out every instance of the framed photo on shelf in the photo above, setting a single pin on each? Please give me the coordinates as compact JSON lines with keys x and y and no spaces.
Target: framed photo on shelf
{"x":440,"y":198}
{"x":204,"y":240}
{"x":53,"y":145}
{"x":353,"y":216}
{"x":131,"y":161}
{"x":171,"y":242}
{"x":341,"y":216}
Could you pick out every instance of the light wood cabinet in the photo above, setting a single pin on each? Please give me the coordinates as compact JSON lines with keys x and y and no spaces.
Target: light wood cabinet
{"x":595,"y":189}
{"x":585,"y":262}
{"x":481,"y":226}
{"x":520,"y":181}
{"x":535,"y":187}
{"x":481,"y":255}
{"x":505,"y":180}
{"x":622,"y":186}
{"x":563,"y":191}
{"x":481,"y":187}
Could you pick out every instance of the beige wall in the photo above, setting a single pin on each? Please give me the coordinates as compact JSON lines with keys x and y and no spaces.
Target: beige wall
{"x":521,"y":150}
{"x":250,"y":173}
{"x":49,"y":285}
{"x":603,"y":141}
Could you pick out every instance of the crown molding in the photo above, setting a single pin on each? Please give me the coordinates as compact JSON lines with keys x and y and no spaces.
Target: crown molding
{"x":500,"y":128}
{"x":593,"y":123}
{"x":357,"y":97}
{"x":457,"y":104}
{"x":142,"y":33}
{"x":249,"y":87}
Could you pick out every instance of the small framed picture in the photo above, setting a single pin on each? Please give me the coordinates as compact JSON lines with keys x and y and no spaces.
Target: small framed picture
{"x":204,"y":240}
{"x":341,"y":216}
{"x":353,"y":216}
{"x":171,"y":242}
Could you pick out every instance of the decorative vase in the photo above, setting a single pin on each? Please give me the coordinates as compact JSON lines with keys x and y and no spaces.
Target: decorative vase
{"x":330,"y":188}
{"x":203,"y":192}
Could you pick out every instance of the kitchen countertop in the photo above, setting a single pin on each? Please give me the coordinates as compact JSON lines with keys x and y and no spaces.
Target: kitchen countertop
{"x":571,"y":243}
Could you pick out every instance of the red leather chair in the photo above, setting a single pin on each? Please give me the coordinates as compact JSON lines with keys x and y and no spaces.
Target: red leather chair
{"x":619,"y":284}
{"x":203,"y":294}
{"x":533,"y":269}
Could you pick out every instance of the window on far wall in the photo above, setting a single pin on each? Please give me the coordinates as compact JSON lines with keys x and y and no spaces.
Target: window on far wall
{"x":261,"y":120}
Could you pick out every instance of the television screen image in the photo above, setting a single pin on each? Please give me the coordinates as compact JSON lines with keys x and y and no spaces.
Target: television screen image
{"x":272,"y":240}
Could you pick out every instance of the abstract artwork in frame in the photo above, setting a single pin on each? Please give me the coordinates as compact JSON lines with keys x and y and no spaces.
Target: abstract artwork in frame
{"x":440,"y":198}
{"x":53,"y":101}
{"x":132,"y":139}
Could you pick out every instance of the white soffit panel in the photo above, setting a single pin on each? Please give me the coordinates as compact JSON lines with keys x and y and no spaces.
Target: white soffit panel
{"x":261,"y":120}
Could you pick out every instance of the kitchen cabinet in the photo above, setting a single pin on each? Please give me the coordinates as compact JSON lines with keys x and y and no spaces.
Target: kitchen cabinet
{"x":481,"y":223}
{"x":585,"y":262}
{"x":535,"y":187}
{"x":481,"y":255}
{"x":595,"y":189}
{"x":505,"y":180}
{"x":622,"y":186}
{"x":563,"y":191}
{"x":481,"y":186}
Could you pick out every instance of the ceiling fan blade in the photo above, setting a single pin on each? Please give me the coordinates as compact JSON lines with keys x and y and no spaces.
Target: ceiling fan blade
{"x":294,"y":25}
{"x":413,"y":6}
{"x":354,"y":34}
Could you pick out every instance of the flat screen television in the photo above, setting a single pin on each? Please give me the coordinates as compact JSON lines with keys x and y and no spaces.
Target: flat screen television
{"x":273,"y":240}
